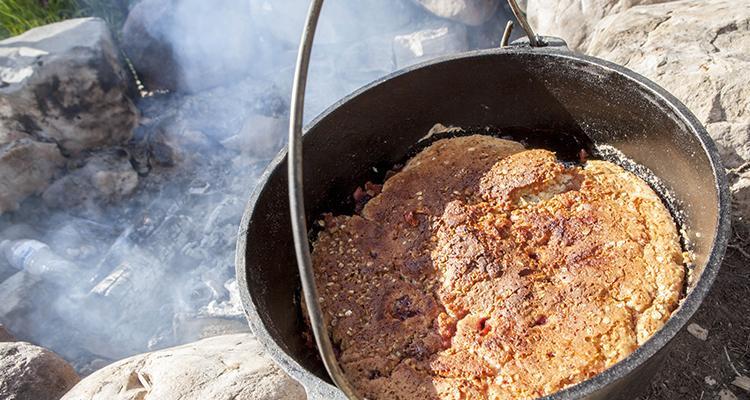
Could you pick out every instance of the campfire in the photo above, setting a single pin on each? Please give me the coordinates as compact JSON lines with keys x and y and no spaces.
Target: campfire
{"x":130,"y":143}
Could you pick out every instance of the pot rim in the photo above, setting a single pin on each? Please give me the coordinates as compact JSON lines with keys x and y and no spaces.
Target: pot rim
{"x":676,"y":322}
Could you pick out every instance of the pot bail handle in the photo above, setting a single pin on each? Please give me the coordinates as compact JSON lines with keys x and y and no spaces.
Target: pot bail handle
{"x":534,"y":39}
{"x":297,"y":205}
{"x":297,"y":198}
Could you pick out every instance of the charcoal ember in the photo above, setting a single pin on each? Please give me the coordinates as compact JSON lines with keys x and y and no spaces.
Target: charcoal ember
{"x":126,"y":303}
{"x":230,"y":306}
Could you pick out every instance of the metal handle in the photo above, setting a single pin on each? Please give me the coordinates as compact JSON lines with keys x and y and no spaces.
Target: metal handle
{"x":297,"y":198}
{"x":297,"y":205}
{"x":534,"y":40}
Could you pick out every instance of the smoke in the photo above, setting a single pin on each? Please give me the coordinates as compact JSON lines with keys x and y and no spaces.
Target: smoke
{"x":156,"y":268}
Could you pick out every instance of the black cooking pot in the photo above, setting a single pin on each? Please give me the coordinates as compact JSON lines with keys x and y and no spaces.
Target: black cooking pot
{"x":542,"y":90}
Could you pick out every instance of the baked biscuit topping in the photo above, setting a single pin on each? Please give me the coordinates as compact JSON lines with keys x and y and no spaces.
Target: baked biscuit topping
{"x":484,"y":270}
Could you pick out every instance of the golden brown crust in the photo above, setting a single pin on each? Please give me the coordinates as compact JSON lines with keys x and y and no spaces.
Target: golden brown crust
{"x":485,"y":271}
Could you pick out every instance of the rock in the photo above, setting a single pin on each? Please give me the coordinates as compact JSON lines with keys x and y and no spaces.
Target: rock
{"x":698,"y":331}
{"x":64,"y":83}
{"x":105,"y":176}
{"x":29,"y":372}
{"x":222,"y":367}
{"x":429,"y":43}
{"x":697,"y":50}
{"x":6,"y":336}
{"x":26,"y":167}
{"x":20,"y":311}
{"x":573,"y":20}
{"x":740,"y":188}
{"x":726,"y":394}
{"x":742,"y":382}
{"x":469,"y":12}
{"x":178,"y":45}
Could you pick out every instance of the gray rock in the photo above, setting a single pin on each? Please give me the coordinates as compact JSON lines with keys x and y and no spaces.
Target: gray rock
{"x":64,"y":83}
{"x":29,"y":372}
{"x":105,"y":176}
{"x":182,"y":46}
{"x":26,"y":167}
{"x":698,"y":51}
{"x":469,"y":12}
{"x":20,"y":311}
{"x":429,"y":42}
{"x":222,"y":367}
{"x":6,"y":336}
{"x":574,"y":20}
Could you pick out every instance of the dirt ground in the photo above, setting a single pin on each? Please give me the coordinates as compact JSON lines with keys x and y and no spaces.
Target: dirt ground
{"x":699,"y":369}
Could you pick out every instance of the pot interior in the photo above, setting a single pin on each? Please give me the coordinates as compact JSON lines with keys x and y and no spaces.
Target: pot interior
{"x":546,"y":93}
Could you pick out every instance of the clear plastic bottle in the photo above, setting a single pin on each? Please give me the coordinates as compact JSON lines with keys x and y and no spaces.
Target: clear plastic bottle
{"x":37,"y":258}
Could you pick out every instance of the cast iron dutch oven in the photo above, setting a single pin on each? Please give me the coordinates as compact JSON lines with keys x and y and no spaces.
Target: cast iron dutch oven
{"x":544,"y":90}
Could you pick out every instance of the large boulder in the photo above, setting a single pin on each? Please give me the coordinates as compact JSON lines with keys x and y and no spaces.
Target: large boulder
{"x":29,"y":372}
{"x":573,"y":20}
{"x":64,"y":83}
{"x":222,"y":367}
{"x":698,"y":51}
{"x":105,"y":176}
{"x":26,"y":167}
{"x":469,"y":12}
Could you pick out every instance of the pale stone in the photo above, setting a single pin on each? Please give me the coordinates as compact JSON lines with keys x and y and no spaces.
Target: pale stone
{"x":222,"y":367}
{"x":698,"y":331}
{"x":573,"y":20}
{"x":65,"y":83}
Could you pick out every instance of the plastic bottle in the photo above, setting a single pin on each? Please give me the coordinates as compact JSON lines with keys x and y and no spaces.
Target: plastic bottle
{"x":37,"y":258}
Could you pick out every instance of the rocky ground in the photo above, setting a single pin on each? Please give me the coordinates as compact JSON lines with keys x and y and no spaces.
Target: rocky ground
{"x":127,"y":192}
